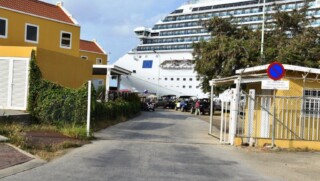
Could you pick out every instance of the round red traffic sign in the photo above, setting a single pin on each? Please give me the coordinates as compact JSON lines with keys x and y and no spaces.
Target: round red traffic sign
{"x":276,"y":71}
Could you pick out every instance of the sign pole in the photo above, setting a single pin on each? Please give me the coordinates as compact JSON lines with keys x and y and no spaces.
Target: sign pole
{"x":276,"y":72}
{"x":211,"y":107}
{"x":274,"y":118}
{"x":89,"y":108}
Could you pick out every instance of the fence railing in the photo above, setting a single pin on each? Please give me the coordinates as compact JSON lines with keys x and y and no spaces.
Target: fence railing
{"x":295,"y":118}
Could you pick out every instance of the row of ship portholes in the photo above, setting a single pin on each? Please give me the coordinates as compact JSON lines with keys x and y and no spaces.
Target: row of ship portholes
{"x":172,"y":79}
{"x":184,"y":86}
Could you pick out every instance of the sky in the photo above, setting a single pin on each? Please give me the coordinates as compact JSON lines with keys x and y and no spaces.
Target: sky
{"x":111,"y":22}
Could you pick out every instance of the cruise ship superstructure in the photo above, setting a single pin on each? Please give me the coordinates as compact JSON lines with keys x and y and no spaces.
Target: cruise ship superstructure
{"x":162,"y":63}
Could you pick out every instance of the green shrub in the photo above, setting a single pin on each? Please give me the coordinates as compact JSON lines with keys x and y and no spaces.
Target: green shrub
{"x":115,"y":110}
{"x":53,"y":104}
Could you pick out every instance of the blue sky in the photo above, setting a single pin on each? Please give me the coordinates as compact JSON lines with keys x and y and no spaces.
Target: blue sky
{"x":111,"y":22}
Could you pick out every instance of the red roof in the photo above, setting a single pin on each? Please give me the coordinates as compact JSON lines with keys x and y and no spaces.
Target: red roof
{"x":37,"y":8}
{"x":90,"y":46}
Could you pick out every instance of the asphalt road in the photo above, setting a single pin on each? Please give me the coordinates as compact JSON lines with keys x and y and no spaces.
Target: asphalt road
{"x":159,"y":145}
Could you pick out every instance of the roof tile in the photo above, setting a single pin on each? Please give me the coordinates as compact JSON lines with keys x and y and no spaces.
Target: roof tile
{"x":38,"y":8}
{"x":90,"y":46}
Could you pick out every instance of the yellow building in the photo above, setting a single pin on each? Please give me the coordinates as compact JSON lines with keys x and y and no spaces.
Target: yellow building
{"x":286,"y":111}
{"x":91,"y":51}
{"x":27,"y":25}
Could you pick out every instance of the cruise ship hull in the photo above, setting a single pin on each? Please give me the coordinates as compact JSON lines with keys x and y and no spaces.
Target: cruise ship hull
{"x":174,"y":71}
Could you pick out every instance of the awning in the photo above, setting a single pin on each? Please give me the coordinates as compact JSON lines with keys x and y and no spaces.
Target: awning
{"x":248,"y":78}
{"x":114,"y":70}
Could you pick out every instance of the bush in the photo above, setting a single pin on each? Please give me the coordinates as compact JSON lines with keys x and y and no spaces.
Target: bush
{"x":51,"y":103}
{"x":116,"y":110}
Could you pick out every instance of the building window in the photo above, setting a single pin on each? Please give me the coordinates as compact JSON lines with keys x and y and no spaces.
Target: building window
{"x":190,"y":87}
{"x":190,"y":79}
{"x":165,"y":78}
{"x":312,"y":102}
{"x":178,"y":79}
{"x":84,"y":57}
{"x":134,"y":71}
{"x":184,"y":79}
{"x":32,"y":33}
{"x":3,"y":28}
{"x":172,"y":79}
{"x":99,"y":61}
{"x":184,"y":86}
{"x":65,"y":40}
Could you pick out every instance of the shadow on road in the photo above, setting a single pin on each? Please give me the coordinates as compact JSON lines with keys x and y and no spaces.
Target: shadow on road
{"x":150,"y":126}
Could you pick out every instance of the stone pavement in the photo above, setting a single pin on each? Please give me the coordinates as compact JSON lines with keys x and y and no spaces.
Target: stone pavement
{"x":13,"y":160}
{"x":9,"y":156}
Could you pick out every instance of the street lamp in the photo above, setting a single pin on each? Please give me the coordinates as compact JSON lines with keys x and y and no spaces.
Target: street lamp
{"x":158,"y":96}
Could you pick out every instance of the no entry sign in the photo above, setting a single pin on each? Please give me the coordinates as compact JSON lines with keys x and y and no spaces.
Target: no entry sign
{"x":276,"y":71}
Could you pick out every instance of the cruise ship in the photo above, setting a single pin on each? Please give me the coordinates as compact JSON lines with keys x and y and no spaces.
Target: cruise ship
{"x":162,"y":62}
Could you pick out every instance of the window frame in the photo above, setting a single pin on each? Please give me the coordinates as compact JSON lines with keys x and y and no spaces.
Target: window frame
{"x":6,"y":28}
{"x":83,"y":57}
{"x":25,"y":33}
{"x":99,"y":61}
{"x":309,"y":105}
{"x":62,"y":46}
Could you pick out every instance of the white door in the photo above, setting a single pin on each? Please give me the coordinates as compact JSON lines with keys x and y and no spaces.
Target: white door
{"x":265,"y":113}
{"x":14,"y":83}
{"x":4,"y":83}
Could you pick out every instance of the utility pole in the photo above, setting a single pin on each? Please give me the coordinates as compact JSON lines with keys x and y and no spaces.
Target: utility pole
{"x":262,"y":31}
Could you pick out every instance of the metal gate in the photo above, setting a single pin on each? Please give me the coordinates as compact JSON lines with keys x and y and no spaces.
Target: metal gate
{"x":14,"y":83}
{"x":287,"y":118}
{"x":232,"y":115}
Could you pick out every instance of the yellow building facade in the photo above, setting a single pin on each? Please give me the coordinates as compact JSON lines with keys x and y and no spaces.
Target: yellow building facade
{"x":294,"y":114}
{"x":91,"y":51}
{"x":27,"y":25}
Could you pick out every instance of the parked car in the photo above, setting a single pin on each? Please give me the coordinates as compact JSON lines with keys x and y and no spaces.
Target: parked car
{"x":183,"y":103}
{"x":186,"y":105}
{"x":204,"y":107}
{"x":168,"y":101}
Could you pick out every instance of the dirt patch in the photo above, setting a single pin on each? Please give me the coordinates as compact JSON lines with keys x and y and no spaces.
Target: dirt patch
{"x":49,"y":145}
{"x":10,"y":156}
{"x":46,"y":138}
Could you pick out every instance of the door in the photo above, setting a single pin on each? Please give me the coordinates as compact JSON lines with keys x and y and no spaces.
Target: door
{"x":4,"y":83}
{"x":266,"y":100}
{"x":14,"y":83}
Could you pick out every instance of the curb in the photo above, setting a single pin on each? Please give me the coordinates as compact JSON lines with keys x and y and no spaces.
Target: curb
{"x":36,"y":162}
{"x":3,"y":139}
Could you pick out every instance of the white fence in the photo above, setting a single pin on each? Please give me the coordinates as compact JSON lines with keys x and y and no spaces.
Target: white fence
{"x":271,"y":117}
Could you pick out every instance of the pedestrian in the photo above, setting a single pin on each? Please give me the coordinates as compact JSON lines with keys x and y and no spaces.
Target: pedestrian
{"x":197,"y":108}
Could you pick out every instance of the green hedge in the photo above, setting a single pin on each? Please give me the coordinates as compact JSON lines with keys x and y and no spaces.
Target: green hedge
{"x":121,"y":107}
{"x":53,"y":104}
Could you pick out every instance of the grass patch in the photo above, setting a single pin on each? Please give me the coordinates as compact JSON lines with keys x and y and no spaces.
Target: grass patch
{"x":47,"y":148}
